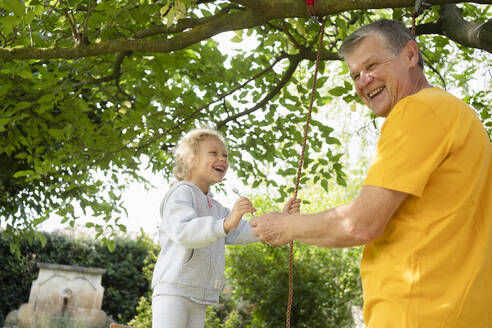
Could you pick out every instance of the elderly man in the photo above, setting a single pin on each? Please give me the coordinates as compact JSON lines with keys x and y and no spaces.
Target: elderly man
{"x":424,"y":212}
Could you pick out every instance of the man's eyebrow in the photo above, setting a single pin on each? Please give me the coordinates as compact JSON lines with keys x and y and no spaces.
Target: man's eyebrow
{"x":369,"y":59}
{"x":364,"y":63}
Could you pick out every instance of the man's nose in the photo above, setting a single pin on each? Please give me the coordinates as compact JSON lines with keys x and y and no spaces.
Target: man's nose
{"x":364,"y":79}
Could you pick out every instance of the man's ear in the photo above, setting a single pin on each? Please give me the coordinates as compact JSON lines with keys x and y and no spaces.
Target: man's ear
{"x":411,"y":53}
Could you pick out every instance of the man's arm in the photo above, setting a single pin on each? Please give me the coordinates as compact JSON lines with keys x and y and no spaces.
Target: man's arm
{"x":357,"y":223}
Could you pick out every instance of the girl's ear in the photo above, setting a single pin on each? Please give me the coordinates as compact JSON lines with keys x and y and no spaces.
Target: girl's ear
{"x":190,"y":162}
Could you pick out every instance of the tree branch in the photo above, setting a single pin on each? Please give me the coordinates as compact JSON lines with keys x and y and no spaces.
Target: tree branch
{"x":209,"y":27}
{"x":113,"y":76}
{"x":256,"y":5}
{"x":233,"y":21}
{"x":73,"y":27}
{"x":472,"y":35}
{"x":183,"y":24}
{"x":85,"y":24}
{"x":294,"y":62}
{"x":443,"y":81}
{"x":453,"y":26}
{"x":290,"y":36}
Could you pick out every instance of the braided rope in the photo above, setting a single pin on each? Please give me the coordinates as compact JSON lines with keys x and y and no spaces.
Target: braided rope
{"x":414,"y":17}
{"x":299,"y":170}
{"x":312,"y":11}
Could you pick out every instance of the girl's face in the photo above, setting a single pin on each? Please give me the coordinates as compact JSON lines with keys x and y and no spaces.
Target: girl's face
{"x":210,"y":164}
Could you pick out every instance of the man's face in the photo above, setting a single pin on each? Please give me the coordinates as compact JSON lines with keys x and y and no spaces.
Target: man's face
{"x":379,"y":76}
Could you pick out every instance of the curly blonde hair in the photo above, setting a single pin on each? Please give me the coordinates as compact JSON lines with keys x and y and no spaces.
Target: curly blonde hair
{"x":188,"y":147}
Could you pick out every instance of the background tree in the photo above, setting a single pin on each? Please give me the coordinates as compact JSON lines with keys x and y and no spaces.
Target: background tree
{"x":89,"y":88}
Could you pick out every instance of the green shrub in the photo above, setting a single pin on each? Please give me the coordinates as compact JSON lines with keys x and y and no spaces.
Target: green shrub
{"x":326,"y":284}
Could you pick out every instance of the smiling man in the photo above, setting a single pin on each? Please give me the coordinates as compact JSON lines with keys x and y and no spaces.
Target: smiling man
{"x":424,"y":212}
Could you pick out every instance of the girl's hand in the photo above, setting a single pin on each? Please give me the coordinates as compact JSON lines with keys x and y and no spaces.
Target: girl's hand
{"x":241,"y":207}
{"x":292,"y":206}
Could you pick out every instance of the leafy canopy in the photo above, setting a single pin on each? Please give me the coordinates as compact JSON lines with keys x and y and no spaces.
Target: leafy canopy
{"x":89,"y":89}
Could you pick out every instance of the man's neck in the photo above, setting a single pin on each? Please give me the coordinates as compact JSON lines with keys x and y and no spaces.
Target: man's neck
{"x":418,"y":82}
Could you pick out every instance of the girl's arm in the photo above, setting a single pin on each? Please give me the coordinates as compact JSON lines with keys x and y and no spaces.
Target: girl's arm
{"x":183,"y":225}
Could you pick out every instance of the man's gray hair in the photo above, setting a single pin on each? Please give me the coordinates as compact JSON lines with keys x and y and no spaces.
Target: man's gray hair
{"x":393,"y":33}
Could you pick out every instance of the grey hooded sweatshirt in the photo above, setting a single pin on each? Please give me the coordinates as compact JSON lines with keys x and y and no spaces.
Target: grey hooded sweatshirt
{"x":192,"y":258}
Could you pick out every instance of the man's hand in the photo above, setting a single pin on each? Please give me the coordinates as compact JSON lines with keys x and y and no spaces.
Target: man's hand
{"x":271,"y":228}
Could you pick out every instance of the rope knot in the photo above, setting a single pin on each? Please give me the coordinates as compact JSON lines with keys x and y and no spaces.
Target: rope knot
{"x":312,"y":8}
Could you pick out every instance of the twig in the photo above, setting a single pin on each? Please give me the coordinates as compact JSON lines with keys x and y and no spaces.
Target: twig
{"x":285,"y":79}
{"x":85,"y":23}
{"x":73,"y":28}
{"x":291,"y":37}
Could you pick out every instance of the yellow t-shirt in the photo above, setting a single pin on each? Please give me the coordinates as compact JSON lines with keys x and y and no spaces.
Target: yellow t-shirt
{"x":432,"y":266}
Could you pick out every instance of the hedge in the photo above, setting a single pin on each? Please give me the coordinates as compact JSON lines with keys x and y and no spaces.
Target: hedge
{"x":123,"y":280}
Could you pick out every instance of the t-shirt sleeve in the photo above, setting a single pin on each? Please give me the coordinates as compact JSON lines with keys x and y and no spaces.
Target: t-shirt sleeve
{"x":413,"y":143}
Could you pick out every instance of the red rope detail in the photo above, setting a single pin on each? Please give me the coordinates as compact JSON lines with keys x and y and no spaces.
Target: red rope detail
{"x":311,"y":7}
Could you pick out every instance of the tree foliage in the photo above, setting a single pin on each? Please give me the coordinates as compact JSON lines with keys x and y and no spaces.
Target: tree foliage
{"x":90,"y":88}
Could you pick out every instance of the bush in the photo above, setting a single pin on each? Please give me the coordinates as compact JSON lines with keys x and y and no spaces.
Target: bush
{"x":123,"y":282}
{"x":326,"y":284}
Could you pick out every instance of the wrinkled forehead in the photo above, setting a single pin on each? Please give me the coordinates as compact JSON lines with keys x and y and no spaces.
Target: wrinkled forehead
{"x":370,"y":48}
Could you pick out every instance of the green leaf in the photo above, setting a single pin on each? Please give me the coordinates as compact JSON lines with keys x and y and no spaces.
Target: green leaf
{"x":164,"y":9}
{"x":238,"y":36}
{"x":22,"y":173}
{"x":26,"y":75}
{"x":110,"y":244}
{"x":47,"y":98}
{"x":337,"y":91}
{"x":9,"y":21}
{"x":181,"y":9}
{"x":341,"y":181}
{"x":22,"y":105}
{"x":29,"y":17}
{"x":237,"y":39}
{"x":324,"y":185}
{"x":291,"y":171}
{"x":171,"y":16}
{"x":332,"y":140}
{"x":15,"y":6}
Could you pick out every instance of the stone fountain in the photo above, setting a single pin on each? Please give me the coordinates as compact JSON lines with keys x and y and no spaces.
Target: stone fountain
{"x":62,"y":296}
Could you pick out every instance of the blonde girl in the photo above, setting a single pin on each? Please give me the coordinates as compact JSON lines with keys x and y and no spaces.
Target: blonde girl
{"x":189,"y":273}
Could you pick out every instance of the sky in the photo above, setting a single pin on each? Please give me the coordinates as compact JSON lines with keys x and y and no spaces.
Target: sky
{"x":143,"y":205}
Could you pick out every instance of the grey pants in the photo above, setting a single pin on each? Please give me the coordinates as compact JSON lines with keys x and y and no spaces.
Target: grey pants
{"x":169,"y":311}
